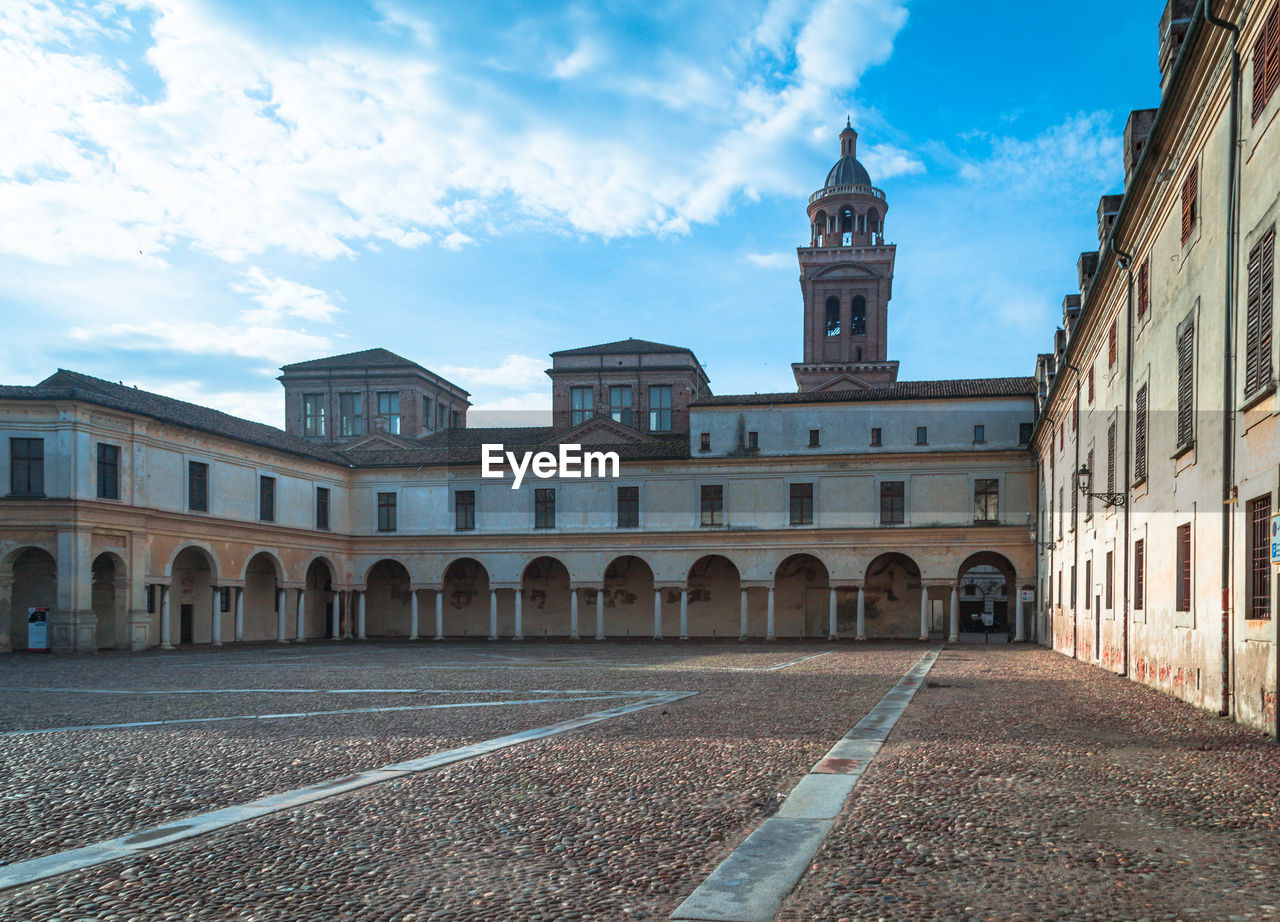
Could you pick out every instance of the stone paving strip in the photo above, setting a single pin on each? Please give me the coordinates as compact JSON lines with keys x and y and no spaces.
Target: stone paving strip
{"x":144,"y":840}
{"x":750,"y":885}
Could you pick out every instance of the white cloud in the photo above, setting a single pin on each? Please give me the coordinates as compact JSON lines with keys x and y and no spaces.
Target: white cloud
{"x":583,"y":58}
{"x":281,"y":299}
{"x":773,"y":260}
{"x":260,"y":406}
{"x":1081,"y":155}
{"x":197,"y":336}
{"x":514,"y":373}
{"x":885,"y":161}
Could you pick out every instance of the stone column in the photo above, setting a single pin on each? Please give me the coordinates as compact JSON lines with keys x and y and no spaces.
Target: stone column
{"x":493,"y":614}
{"x":953,"y":635}
{"x":573,"y":613}
{"x":217,"y":615}
{"x":282,"y":616}
{"x":337,"y":616}
{"x":6,"y":608}
{"x":439,"y":635}
{"x":768,"y":628}
{"x":361,"y":596}
{"x":413,"y":613}
{"x":166,"y":631}
{"x":302,"y":615}
{"x":924,"y":613}
{"x":684,"y":612}
{"x":831,"y":613}
{"x":657,"y":613}
{"x":519,"y":614}
{"x":862,"y":613}
{"x":742,"y":613}
{"x":239,"y":628}
{"x":1019,"y":632}
{"x":600,"y":613}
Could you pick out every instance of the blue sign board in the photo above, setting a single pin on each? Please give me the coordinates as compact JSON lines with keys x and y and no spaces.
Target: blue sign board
{"x":1275,"y":539}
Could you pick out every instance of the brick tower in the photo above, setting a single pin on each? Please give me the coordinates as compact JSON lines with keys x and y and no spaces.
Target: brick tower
{"x":846,"y":276}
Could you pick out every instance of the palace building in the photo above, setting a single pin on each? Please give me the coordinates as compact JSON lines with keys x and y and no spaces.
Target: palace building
{"x":1116,"y":505}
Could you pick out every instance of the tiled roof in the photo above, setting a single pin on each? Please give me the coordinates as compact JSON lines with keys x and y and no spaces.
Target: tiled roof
{"x":902,"y":390}
{"x":462,"y":447}
{"x":71,"y":385}
{"x":624,"y":347}
{"x":366,"y":358}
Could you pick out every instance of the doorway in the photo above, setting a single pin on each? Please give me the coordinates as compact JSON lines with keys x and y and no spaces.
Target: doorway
{"x":186,"y":624}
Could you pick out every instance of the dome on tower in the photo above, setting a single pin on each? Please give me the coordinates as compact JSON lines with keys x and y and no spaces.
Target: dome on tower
{"x":848,"y":172}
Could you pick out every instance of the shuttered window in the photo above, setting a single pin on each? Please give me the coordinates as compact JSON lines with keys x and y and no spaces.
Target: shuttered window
{"x":1112,"y":347}
{"x":1091,"y":390}
{"x":1260,"y":558}
{"x":1266,"y":62}
{"x":1109,"y":591}
{"x":1111,"y":458}
{"x":1088,"y":500}
{"x":1140,"y":435}
{"x":1183,"y":571}
{"x":1258,"y":316}
{"x":1186,"y":381}
{"x":1139,"y":574}
{"x":1190,"y":205}
{"x":1144,"y":288}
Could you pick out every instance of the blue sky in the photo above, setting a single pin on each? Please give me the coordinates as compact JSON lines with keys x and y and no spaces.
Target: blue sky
{"x":198,"y":192}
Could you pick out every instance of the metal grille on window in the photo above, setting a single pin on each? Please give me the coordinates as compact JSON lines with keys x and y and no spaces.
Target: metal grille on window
{"x":1260,"y":558}
{"x":1183,"y":600}
{"x":1139,"y":573}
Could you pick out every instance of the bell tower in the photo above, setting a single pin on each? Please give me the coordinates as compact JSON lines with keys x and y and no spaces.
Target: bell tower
{"x":846,"y":277}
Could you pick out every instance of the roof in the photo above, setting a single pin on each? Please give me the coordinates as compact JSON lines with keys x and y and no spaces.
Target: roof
{"x":366,"y":358}
{"x":463,"y":447}
{"x":848,"y":172}
{"x":902,"y":390}
{"x":71,"y":385}
{"x":625,"y":347}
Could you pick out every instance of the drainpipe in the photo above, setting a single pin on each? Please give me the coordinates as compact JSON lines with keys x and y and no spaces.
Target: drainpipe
{"x":1125,"y":261}
{"x":1228,"y":358}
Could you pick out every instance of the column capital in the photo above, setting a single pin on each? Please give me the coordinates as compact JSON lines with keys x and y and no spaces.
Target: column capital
{"x":426,"y":587}
{"x":848,"y":584}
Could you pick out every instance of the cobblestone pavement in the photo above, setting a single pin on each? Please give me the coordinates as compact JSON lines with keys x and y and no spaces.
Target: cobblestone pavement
{"x":1019,"y":785}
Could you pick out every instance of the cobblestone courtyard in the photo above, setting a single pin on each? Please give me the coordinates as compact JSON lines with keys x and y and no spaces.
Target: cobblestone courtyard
{"x":1016,"y":785}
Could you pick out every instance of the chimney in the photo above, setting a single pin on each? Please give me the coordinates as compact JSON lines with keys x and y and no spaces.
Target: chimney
{"x":1070,"y":313}
{"x":1086,"y":268}
{"x":1136,"y":132}
{"x":1173,"y":29}
{"x":1108,"y":208}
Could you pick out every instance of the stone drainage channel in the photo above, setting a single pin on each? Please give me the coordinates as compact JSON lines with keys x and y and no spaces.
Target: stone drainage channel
{"x":750,"y":885}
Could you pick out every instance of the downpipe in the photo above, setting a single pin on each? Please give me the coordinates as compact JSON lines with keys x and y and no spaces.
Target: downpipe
{"x":1125,"y":261}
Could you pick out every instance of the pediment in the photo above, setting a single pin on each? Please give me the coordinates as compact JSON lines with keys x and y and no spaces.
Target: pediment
{"x":846,"y":271}
{"x":845,"y":382}
{"x":601,"y":430}
{"x":377,"y":442}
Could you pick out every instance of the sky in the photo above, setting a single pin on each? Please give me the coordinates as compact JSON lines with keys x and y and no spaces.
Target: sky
{"x":194,"y":193}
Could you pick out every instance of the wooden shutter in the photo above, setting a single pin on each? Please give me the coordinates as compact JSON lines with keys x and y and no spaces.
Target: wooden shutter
{"x":1190,"y":187}
{"x":1111,"y":346}
{"x":1186,"y":370}
{"x":1266,"y":301}
{"x":1140,"y":435}
{"x":1111,"y":458}
{"x":1258,"y":315}
{"x":1144,"y":290}
{"x":1273,"y":54}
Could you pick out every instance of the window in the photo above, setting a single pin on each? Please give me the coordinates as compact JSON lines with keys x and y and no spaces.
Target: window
{"x":442,"y":415}
{"x":1259,"y":558}
{"x":704,"y":441}
{"x":464,"y":510}
{"x":582,"y":405}
{"x":986,"y":500}
{"x":875,"y":437}
{"x":893,"y":502}
{"x":712,"y":504}
{"x":1024,"y":433}
{"x":224,"y":598}
{"x":197,"y":486}
{"x":1092,"y":484}
{"x":386,"y":512}
{"x":455,"y":419}
{"x":1088,"y":584}
{"x":1063,"y":507}
{"x":1108,"y":598}
{"x":389,"y":408}
{"x":1075,"y":596}
{"x":1186,"y":382}
{"x":26,"y":467}
{"x":1140,"y":435}
{"x":1190,"y":203}
{"x":628,"y":507}
{"x":1062,"y":437}
{"x":1262,"y":262}
{"x":1113,"y":347}
{"x":108,"y":471}
{"x":267,"y":499}
{"x":1075,"y":496}
{"x":802,"y":504}
{"x":1183,"y":572}
{"x":922,"y":435}
{"x":858,"y":317}
{"x":1091,"y":390}
{"x":833,"y":316}
{"x":1139,"y":574}
{"x":979,"y":434}
{"x":322,"y":508}
{"x":660,"y":408}
{"x":620,"y":404}
{"x":1144,"y":288}
{"x":814,"y":437}
{"x":350,"y":414}
{"x":753,"y":441}
{"x":1111,"y":457}
{"x":1266,"y":62}
{"x":426,"y":412}
{"x":544,"y":508}
{"x":313,"y":415}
